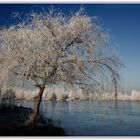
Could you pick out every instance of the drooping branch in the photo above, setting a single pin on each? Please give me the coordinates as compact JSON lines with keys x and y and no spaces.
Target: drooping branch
{"x":53,"y":48}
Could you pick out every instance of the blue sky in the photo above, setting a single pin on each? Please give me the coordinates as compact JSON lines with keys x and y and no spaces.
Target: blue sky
{"x":121,"y":20}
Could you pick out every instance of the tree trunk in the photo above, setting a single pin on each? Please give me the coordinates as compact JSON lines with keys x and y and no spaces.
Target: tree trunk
{"x":115,"y":88}
{"x":32,"y":119}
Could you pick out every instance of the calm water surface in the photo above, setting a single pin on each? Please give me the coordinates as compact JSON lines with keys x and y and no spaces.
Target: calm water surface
{"x":93,"y":117}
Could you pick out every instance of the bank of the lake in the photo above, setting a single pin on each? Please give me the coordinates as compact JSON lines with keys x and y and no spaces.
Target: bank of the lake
{"x":12,"y":120}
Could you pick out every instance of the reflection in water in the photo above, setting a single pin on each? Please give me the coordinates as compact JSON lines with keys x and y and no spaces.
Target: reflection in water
{"x":94,"y":117}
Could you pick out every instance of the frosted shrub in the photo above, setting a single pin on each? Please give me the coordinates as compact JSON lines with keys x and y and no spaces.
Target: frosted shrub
{"x":135,"y":95}
{"x":7,"y":94}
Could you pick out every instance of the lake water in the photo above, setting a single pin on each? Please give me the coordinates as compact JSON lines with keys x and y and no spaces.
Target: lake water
{"x":86,"y":118}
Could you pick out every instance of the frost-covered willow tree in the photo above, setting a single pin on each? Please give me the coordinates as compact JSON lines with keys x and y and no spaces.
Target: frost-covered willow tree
{"x":50,"y":48}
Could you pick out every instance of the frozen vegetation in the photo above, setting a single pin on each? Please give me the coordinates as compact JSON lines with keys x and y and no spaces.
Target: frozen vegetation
{"x":60,"y":93}
{"x":52,"y":48}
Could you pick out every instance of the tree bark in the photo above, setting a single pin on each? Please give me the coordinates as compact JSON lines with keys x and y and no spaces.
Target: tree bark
{"x":33,"y":117}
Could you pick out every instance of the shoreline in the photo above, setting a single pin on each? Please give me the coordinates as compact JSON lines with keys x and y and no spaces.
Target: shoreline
{"x":15,"y":125}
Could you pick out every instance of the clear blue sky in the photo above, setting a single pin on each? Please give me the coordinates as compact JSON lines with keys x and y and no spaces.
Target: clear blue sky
{"x":122,"y":21}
